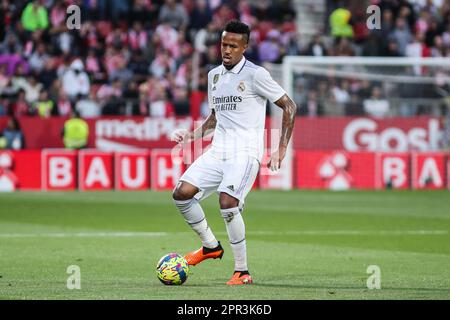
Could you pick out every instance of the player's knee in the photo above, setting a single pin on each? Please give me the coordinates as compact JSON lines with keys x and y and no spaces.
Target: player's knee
{"x":227,"y":202}
{"x":182,"y":193}
{"x":179,"y":195}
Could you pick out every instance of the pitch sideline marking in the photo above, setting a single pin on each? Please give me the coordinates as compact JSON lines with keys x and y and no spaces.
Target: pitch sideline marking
{"x":255,"y":232}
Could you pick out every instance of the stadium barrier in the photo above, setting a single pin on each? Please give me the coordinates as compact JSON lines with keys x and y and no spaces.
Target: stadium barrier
{"x":352,"y":134}
{"x":341,"y":170}
{"x":61,"y":170}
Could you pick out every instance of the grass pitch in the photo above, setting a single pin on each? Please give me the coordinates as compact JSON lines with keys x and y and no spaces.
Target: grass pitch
{"x":301,"y":245}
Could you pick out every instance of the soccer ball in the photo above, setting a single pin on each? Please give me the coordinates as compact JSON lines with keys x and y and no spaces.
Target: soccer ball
{"x":172,"y":269}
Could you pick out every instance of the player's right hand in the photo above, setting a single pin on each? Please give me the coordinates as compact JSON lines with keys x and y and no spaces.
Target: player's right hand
{"x":181,"y":136}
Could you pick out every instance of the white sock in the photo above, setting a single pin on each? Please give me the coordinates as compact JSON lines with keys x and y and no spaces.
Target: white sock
{"x":236,"y":234}
{"x":195,"y":217}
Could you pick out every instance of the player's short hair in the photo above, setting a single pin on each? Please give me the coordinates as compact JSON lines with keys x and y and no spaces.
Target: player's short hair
{"x":235,"y":26}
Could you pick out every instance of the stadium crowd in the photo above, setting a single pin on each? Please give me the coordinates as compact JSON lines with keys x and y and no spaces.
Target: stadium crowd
{"x":128,"y":57}
{"x":145,"y":57}
{"x":414,"y":28}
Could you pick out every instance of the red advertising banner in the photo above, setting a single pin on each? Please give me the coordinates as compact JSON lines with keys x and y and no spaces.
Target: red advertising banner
{"x":335,"y":170}
{"x":448,"y":172}
{"x":95,"y":170}
{"x":428,"y":170}
{"x":59,"y":169}
{"x":132,"y":170}
{"x":393,"y":170}
{"x":160,"y":170}
{"x":368,"y":134}
{"x":106,"y":133}
{"x":8,"y":180}
{"x":21,"y":170}
{"x":281,"y":179}
{"x":165,"y":169}
{"x":351,"y":134}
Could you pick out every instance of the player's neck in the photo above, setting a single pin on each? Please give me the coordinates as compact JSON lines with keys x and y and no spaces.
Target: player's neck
{"x":234,"y":65}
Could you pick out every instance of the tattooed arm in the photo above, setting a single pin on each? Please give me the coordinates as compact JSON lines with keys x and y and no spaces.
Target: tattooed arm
{"x":289,"y":110}
{"x":206,"y":127}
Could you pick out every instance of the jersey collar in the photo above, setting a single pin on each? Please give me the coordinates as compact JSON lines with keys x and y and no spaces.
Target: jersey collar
{"x":236,"y":69}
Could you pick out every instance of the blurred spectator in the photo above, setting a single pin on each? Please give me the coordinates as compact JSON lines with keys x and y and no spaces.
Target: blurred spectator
{"x":4,"y":106}
{"x":376,"y":105}
{"x":63,"y":104}
{"x":391,"y":49}
{"x":44,"y":106}
{"x":143,"y":11}
{"x":20,"y":107}
{"x":162,"y":65}
{"x":94,"y":67}
{"x":174,"y":13}
{"x":88,"y":107}
{"x":75,"y":80}
{"x":201,"y":15}
{"x":12,"y":136}
{"x":270,"y":49}
{"x":14,"y":62}
{"x":75,"y":133}
{"x":339,"y":22}
{"x":312,"y":107}
{"x":121,"y":73}
{"x":168,"y":38}
{"x":341,"y":93}
{"x":446,"y":36}
{"x":109,"y":92}
{"x":11,"y":45}
{"x":206,"y":38}
{"x":48,"y":75}
{"x":316,"y":47}
{"x":373,"y":46}
{"x":223,"y":14}
{"x":387,"y":24}
{"x":417,"y":49}
{"x":431,"y":33}
{"x":354,"y":107}
{"x":181,"y":101}
{"x":402,"y":35}
{"x":31,"y":87}
{"x":159,"y":105}
{"x":4,"y":78}
{"x":34,"y":17}
{"x":137,"y":37}
{"x":343,"y":47}
{"x":38,"y":58}
{"x":58,"y":14}
{"x":439,"y":49}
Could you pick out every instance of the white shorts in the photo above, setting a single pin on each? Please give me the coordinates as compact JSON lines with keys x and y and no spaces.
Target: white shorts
{"x":234,"y":176}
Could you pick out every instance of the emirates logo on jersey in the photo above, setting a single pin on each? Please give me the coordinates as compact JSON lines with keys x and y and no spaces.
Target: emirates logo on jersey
{"x":241,"y":86}
{"x":226,"y":103}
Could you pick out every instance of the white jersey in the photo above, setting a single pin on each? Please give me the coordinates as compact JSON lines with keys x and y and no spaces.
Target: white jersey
{"x":239,"y":98}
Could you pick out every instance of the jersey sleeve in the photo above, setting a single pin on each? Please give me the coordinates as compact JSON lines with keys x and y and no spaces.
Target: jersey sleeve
{"x":210,"y":104}
{"x":266,"y":87}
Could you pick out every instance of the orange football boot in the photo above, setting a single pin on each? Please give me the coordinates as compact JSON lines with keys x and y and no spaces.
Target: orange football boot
{"x":240,"y":278}
{"x":195,"y":257}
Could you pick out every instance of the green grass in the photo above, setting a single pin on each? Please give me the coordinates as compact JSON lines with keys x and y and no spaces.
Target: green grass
{"x":301,"y":245}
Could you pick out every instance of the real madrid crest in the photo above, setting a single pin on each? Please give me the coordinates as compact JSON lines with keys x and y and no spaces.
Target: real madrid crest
{"x":241,"y":86}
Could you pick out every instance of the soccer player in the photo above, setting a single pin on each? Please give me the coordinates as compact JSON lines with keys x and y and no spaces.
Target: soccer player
{"x":237,"y":94}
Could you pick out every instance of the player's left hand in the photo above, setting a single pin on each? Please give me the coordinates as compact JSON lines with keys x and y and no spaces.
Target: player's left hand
{"x":275,"y":159}
{"x":181,"y":136}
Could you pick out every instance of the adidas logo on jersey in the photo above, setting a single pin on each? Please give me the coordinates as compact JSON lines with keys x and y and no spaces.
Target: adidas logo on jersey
{"x":231,"y":188}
